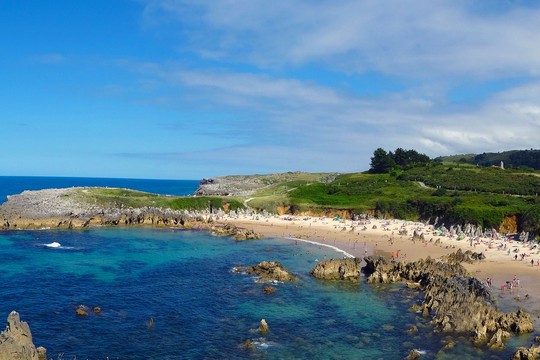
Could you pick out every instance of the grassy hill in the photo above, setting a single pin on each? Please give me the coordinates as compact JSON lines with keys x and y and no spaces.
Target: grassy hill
{"x":452,"y":192}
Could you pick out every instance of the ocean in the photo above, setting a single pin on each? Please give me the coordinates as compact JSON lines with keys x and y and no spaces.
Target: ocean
{"x":182,"y":279}
{"x":12,"y":185}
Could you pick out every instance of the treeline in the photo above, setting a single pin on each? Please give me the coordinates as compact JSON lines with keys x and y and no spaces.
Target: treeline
{"x":511,"y":159}
{"x":382,"y":161}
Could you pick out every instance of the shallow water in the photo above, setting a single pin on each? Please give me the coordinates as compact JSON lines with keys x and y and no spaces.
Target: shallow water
{"x":183,"y":280}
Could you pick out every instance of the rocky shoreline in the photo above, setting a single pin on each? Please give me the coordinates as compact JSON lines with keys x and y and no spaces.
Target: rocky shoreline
{"x":59,"y":208}
{"x":457,"y":303}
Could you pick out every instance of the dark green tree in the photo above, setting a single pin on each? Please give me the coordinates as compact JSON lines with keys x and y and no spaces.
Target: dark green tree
{"x":381,"y":162}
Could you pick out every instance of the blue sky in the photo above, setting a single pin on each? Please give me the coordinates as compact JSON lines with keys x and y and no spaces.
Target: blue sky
{"x":182,"y":89}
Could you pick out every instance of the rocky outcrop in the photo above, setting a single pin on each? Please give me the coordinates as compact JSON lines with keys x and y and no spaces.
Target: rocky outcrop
{"x":16,"y":341}
{"x":467,"y":257}
{"x":457,"y":302}
{"x":236,"y":232}
{"x":69,"y":209}
{"x":263,"y":327}
{"x":413,"y":355}
{"x":532,"y":353}
{"x":270,"y":271}
{"x":338,"y":269}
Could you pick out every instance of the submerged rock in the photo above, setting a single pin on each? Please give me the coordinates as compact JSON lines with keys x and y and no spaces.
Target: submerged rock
{"x":271,"y":271}
{"x":338,"y":269}
{"x":16,"y":341}
{"x":413,"y":355}
{"x":269,"y":290}
{"x":248,"y":345}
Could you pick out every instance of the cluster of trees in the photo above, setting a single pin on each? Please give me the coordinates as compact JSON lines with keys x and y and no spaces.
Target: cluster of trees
{"x":515,"y":158}
{"x":382,"y":161}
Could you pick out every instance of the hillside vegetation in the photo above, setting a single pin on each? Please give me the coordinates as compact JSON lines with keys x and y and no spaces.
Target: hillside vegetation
{"x":453,"y":193}
{"x":511,"y":159}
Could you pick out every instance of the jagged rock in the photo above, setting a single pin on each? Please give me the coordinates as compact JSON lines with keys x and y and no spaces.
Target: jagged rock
{"x":263,"y":327}
{"x":379,"y":270}
{"x":338,"y":269}
{"x":96,"y":310}
{"x":42,"y":353}
{"x":81,"y":311}
{"x":413,"y":355}
{"x":248,"y":345}
{"x":413,"y":329}
{"x":16,"y":341}
{"x":413,"y":285}
{"x":236,"y":232}
{"x":450,"y":344}
{"x":458,"y":303}
{"x":270,"y":271}
{"x":532,"y":353}
{"x":467,"y":256}
{"x":497,"y":341}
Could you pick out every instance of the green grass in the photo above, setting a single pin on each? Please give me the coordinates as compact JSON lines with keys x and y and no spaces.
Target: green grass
{"x":471,"y":178}
{"x":122,"y":198}
{"x":455,"y":193}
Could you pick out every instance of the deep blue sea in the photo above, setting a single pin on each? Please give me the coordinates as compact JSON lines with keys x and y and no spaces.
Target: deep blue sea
{"x":11,"y":185}
{"x":201,"y":310}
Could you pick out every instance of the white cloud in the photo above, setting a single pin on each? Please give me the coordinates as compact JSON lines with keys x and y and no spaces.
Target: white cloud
{"x":420,"y":38}
{"x":313,"y":125}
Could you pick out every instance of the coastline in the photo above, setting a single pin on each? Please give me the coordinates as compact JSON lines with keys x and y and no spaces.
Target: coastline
{"x":380,"y":237}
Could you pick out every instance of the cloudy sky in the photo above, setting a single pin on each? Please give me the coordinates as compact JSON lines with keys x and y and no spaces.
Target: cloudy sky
{"x":184,"y":89}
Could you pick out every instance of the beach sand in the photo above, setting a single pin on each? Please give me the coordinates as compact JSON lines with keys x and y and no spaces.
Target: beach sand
{"x":381,"y":237}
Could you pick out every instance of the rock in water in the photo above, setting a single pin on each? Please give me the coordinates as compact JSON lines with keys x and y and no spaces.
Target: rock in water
{"x":16,"y":341}
{"x":413,"y":355}
{"x":270,"y":271}
{"x":263,"y":328}
{"x":338,"y":269}
{"x":531,"y":353}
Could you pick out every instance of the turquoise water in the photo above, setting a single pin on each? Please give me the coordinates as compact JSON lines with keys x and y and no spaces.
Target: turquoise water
{"x":183,"y":280}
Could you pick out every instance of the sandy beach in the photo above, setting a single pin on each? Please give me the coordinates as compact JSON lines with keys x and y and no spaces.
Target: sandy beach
{"x":382,"y":237}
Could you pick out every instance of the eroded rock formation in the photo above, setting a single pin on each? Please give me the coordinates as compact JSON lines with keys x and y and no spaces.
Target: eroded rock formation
{"x":457,"y":302}
{"x":532,"y":353}
{"x":271,"y":271}
{"x":16,"y":341}
{"x":236,"y":232}
{"x":338,"y":269}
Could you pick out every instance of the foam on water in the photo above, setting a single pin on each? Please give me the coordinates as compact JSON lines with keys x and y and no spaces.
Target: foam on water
{"x":54,"y":244}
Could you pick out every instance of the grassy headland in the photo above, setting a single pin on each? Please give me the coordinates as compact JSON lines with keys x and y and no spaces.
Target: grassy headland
{"x":455,"y":193}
